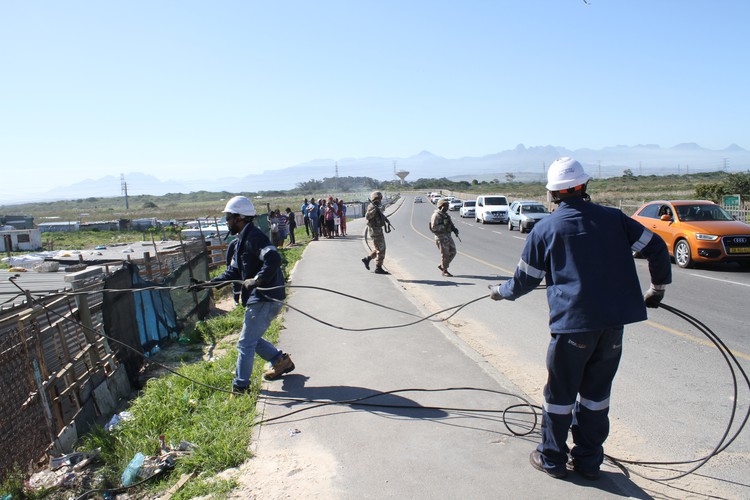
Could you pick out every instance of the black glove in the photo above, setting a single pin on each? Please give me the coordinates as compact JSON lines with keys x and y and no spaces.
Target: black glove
{"x":653,"y":297}
{"x":495,"y":292}
{"x":455,"y":230}
{"x":196,"y":285}
{"x":250,"y":283}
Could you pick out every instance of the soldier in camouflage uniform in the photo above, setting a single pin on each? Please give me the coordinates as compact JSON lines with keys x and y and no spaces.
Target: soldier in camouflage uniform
{"x":376,"y":221}
{"x":442,"y":226}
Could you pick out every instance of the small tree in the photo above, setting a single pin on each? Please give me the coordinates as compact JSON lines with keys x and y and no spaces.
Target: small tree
{"x":738,"y":184}
{"x":713,"y":191}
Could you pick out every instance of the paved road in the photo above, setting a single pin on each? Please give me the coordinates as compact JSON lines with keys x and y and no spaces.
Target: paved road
{"x":672,"y":397}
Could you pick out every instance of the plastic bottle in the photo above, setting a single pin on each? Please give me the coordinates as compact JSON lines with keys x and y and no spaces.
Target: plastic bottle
{"x":131,"y":471}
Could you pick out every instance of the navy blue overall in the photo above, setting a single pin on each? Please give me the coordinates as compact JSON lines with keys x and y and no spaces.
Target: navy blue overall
{"x":583,"y":251}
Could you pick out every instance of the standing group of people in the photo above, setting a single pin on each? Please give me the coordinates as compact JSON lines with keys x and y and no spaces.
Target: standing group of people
{"x":324,"y":218}
{"x":281,"y":225}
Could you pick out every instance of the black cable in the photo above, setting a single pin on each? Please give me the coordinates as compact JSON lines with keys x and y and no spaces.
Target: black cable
{"x":723,"y":443}
{"x":425,"y":318}
{"x":122,"y":489}
{"x":358,"y":402}
{"x":717,"y":342}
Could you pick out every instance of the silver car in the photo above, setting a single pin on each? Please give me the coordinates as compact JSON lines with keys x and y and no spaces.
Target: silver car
{"x":467,"y":208}
{"x":455,"y":204}
{"x":524,"y":214}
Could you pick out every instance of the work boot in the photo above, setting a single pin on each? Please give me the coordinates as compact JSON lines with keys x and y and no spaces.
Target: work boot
{"x":380,"y":270}
{"x":282,"y":366}
{"x":591,"y":475}
{"x":237,"y":390}
{"x":366,"y":262}
{"x":446,"y":273}
{"x":535,"y":459}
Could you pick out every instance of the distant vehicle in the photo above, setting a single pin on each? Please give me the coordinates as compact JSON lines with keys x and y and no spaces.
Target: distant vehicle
{"x":418,"y":199}
{"x":454,"y":204}
{"x":467,"y":209}
{"x":697,"y":231}
{"x":524,"y":214}
{"x":491,"y":208}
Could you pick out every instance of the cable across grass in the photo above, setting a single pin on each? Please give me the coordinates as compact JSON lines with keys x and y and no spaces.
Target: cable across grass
{"x":218,"y":423}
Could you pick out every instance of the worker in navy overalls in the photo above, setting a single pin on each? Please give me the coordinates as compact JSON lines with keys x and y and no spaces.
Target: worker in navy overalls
{"x":584,"y":253}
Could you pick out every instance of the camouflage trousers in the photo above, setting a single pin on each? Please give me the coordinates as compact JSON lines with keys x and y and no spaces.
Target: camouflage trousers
{"x":447,"y":248}
{"x":378,"y":245}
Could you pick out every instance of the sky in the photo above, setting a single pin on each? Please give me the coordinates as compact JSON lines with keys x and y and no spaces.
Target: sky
{"x":196,"y":89}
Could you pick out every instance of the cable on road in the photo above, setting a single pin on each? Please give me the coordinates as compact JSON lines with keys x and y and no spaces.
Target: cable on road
{"x":729,"y":358}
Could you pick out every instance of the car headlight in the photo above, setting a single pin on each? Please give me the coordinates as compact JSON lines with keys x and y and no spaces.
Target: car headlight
{"x":706,"y":237}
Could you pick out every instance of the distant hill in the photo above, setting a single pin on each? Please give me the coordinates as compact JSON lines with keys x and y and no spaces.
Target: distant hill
{"x":525,"y":163}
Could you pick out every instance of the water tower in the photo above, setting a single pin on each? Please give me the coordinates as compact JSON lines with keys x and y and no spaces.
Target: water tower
{"x":401,"y":174}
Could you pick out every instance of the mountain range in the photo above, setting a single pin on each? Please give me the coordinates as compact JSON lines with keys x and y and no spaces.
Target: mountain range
{"x":525,"y":163}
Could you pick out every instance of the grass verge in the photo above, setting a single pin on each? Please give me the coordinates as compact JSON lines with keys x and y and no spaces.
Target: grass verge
{"x":185,"y":410}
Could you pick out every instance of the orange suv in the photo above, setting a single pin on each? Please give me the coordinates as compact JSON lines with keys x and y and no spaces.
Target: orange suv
{"x":697,"y":231}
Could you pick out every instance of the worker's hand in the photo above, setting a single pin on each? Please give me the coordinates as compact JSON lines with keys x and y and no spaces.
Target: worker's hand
{"x":250,"y":283}
{"x":455,"y":230}
{"x":196,"y":285}
{"x":495,"y":292}
{"x":653,"y":297}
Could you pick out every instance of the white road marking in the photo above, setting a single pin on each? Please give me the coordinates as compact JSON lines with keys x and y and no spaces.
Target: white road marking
{"x":719,"y":279}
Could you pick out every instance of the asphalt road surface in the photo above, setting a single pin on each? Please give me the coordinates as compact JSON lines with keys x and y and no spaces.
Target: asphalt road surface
{"x":673,"y":396}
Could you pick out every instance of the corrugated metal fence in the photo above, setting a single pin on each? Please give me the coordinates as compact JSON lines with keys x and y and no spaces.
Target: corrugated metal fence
{"x":58,"y":370}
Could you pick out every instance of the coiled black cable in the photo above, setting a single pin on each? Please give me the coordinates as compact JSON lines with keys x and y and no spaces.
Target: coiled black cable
{"x":726,"y":353}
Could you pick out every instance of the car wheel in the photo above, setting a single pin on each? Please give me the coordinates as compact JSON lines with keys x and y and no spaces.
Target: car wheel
{"x":521,"y":229}
{"x":483,"y":222}
{"x":682,"y":255}
{"x":510,"y":226}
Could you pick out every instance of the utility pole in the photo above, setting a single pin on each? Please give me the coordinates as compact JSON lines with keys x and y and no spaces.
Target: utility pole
{"x":600,"y":169}
{"x":336,"y":178}
{"x":725,"y":164}
{"x":124,"y":186}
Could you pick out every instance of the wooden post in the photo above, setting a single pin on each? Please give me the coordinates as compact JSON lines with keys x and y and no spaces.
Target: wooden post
{"x":190,"y":269}
{"x":76,"y":281}
{"x":147,"y":261}
{"x":158,"y":260}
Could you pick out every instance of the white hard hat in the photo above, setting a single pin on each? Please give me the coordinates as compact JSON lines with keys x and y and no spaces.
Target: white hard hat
{"x":565,"y":173}
{"x":240,"y":205}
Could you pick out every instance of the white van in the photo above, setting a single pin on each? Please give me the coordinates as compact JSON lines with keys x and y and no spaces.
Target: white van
{"x":491,"y":208}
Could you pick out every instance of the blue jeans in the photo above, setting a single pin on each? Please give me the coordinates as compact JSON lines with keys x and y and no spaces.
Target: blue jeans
{"x":580,"y":370}
{"x":258,"y":317}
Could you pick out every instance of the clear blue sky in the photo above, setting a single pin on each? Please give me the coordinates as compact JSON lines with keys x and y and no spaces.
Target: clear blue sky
{"x":194,"y":89}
